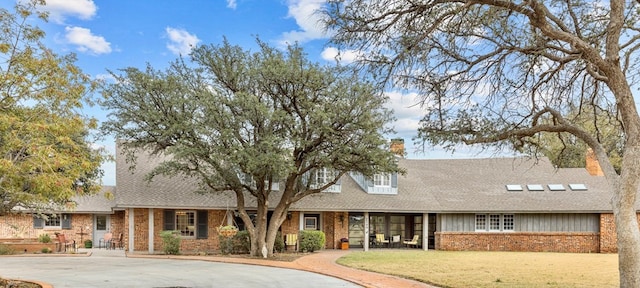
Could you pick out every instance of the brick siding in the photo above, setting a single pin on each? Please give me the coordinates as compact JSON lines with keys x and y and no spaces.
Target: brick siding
{"x":534,"y":242}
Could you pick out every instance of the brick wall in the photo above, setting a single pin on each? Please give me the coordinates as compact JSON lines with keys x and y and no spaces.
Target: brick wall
{"x":536,"y":242}
{"x":334,"y":229}
{"x":21,"y":226}
{"x":608,"y":237}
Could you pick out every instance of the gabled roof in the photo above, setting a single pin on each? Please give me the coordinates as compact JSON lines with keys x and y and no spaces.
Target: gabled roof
{"x":436,"y":186}
{"x":102,"y":202}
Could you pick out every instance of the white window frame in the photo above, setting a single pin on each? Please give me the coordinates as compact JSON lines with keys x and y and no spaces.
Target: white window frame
{"x":186,"y":233}
{"x":486,"y":222}
{"x":315,"y":223}
{"x":322,"y":176}
{"x":382,"y":180}
{"x":53,"y":219}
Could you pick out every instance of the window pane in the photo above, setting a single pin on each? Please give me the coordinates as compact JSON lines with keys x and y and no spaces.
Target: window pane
{"x":481,"y":222}
{"x":101,"y":222}
{"x":186,"y":223}
{"x":52,"y":221}
{"x":508,"y":220}
{"x":494,"y":222}
{"x":310,"y":223}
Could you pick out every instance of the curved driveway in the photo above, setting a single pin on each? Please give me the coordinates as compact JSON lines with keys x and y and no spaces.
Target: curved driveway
{"x":105,"y":271}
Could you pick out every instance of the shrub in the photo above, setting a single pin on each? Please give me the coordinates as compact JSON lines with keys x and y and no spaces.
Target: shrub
{"x":46,"y":250}
{"x":44,"y":238}
{"x":311,"y":240}
{"x":170,"y":242}
{"x":278,"y":245}
{"x":241,"y":242}
{"x":6,"y":250}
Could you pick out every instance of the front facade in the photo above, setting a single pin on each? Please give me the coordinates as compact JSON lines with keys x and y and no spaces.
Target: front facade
{"x":498,"y":204}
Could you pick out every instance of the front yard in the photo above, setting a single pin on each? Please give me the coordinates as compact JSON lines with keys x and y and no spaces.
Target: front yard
{"x":491,"y":269}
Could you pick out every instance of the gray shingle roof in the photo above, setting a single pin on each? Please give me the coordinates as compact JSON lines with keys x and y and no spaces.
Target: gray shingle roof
{"x":443,"y":186}
{"x":102,"y":202}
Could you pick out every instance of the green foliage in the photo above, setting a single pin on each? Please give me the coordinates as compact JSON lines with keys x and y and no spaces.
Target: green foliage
{"x":44,"y":238}
{"x":88,"y":243}
{"x":236,"y":119}
{"x":46,"y":153}
{"x":6,"y":250}
{"x":46,"y":250}
{"x":311,"y":240}
{"x":170,"y":242}
{"x":240,"y":243}
{"x":278,"y":245}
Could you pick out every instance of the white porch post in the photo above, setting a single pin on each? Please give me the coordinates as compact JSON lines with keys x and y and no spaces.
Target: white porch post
{"x":425,"y":231}
{"x":365,"y":241}
{"x":151,"y":232}
{"x":131,"y":232}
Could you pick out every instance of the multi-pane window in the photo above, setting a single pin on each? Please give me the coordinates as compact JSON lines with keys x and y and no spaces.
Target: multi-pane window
{"x":382,"y":180}
{"x":481,"y":222}
{"x":508,"y":222}
{"x":52,"y":221}
{"x":186,"y":223}
{"x":310,"y":223}
{"x":323,"y":176}
{"x":495,"y":222}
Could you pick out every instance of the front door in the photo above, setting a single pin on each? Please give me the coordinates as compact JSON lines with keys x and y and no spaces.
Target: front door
{"x":101,"y":224}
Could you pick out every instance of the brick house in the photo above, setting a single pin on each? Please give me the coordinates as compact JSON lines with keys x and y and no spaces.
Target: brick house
{"x":497,"y":204}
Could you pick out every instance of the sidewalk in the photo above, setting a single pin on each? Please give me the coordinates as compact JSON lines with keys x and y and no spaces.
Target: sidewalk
{"x":322,"y":262}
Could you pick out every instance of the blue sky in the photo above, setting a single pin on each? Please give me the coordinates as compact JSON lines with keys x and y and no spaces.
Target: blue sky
{"x":114,"y":34}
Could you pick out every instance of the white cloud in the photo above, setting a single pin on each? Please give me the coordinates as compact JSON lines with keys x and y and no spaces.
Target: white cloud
{"x":232,"y":4}
{"x":86,"y":41}
{"x":407,"y":110}
{"x":180,"y":41}
{"x":344,"y":57}
{"x":61,"y":9}
{"x":306,"y":16}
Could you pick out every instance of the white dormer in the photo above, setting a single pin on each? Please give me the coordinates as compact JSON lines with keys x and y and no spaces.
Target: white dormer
{"x":323,"y":176}
{"x":381,"y":183}
{"x":247,"y":179}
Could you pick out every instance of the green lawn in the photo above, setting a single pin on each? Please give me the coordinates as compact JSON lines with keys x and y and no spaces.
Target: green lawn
{"x":491,"y":269}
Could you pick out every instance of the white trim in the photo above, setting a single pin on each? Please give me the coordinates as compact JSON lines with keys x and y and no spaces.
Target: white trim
{"x":366,"y":232}
{"x":151,"y":231}
{"x":425,"y":231}
{"x":131,"y":232}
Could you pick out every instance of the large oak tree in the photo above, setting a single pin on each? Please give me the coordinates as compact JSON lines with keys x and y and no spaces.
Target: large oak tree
{"x":241,"y":121}
{"x":45,"y":153}
{"x":498,"y":72}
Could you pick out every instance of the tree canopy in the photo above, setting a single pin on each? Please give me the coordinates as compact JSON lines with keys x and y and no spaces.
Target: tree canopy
{"x":46,"y":154}
{"x":241,"y":121}
{"x":500,"y":72}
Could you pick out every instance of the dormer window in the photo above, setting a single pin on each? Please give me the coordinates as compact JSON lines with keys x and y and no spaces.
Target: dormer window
{"x":323,"y":175}
{"x":382,"y":180}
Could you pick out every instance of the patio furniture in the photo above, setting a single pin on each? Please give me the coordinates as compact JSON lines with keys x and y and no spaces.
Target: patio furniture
{"x":117,"y":243}
{"x":291,"y":240}
{"x":395,"y":241}
{"x":412,"y":242}
{"x":106,"y":240}
{"x":64,"y":243}
{"x":381,"y":241}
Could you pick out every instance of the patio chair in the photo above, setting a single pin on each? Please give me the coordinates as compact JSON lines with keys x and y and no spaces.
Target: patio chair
{"x":117,"y":243}
{"x":381,"y":241}
{"x":63,"y":243}
{"x":291,"y":240}
{"x":412,"y":242}
{"x":106,"y":240}
{"x":395,"y":241}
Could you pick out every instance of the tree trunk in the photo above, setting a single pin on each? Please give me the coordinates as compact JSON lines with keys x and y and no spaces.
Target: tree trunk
{"x":627,"y":228}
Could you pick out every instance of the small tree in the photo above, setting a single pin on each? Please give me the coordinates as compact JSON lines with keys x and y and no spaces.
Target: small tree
{"x":241,"y":121}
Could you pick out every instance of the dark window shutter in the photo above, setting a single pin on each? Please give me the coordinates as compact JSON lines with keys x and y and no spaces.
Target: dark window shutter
{"x":394,"y":180}
{"x":65,"y":222}
{"x":202,"y":230}
{"x":169,"y":220}
{"x":38,"y":223}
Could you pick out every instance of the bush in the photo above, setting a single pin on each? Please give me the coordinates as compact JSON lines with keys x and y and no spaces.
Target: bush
{"x":6,"y":250}
{"x":278,"y":245}
{"x":170,"y":242}
{"x":241,"y":242}
{"x":311,"y":240}
{"x":44,"y":238}
{"x":46,"y":250}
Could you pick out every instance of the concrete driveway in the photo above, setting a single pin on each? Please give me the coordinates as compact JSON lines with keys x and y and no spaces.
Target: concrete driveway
{"x":112,"y":269}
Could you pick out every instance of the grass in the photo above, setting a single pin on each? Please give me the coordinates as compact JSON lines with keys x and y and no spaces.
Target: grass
{"x":492,"y":269}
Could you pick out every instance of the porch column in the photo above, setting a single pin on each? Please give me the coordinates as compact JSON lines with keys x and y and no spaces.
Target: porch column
{"x":151,"y":232}
{"x":425,"y":231}
{"x":131,"y":232}
{"x":365,"y":241}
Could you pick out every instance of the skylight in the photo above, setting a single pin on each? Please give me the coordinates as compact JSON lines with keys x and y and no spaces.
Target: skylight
{"x":578,"y":187}
{"x":556,"y":187}
{"x":514,"y":187}
{"x":535,"y":187}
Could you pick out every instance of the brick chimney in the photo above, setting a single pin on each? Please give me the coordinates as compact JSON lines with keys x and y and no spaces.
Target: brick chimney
{"x":397,"y":147}
{"x":593,"y":167}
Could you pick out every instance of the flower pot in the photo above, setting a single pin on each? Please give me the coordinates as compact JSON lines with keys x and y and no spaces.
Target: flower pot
{"x":344,"y":245}
{"x":88,"y":244}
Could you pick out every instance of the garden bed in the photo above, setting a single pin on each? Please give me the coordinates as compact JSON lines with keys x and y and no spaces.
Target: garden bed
{"x":26,"y":245}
